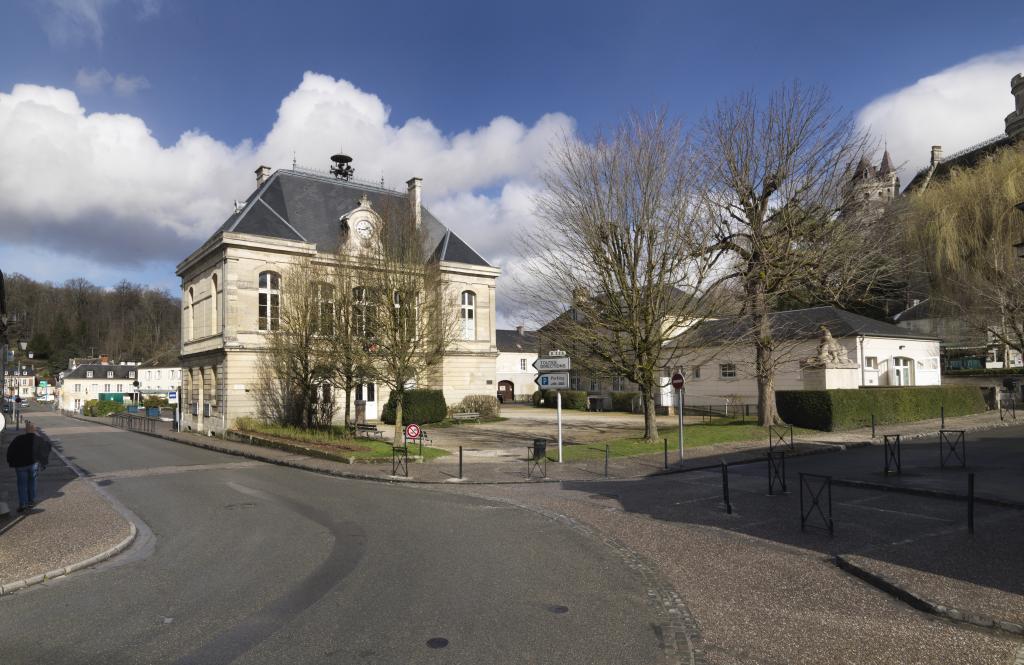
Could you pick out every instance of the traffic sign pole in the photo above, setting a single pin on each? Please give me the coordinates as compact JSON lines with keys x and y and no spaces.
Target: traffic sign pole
{"x":559,"y":426}
{"x":677,"y":383}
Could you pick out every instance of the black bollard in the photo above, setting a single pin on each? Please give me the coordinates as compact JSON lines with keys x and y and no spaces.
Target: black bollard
{"x":606,"y":449}
{"x":942,"y":415}
{"x":666,"y":454}
{"x":460,"y":462}
{"x":970,"y":503}
{"x":872,"y":425}
{"x":725,"y":488}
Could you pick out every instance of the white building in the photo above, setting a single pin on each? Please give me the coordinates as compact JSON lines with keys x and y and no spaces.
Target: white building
{"x":161,"y":381}
{"x":719,"y":359}
{"x":20,"y":381}
{"x":100,"y":380}
{"x":517,"y":350}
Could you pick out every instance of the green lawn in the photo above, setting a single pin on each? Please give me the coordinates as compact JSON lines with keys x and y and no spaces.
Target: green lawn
{"x":334,"y":441}
{"x":694,"y":436}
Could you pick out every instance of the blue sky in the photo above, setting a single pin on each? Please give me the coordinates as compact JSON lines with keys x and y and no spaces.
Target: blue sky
{"x":434,"y":83}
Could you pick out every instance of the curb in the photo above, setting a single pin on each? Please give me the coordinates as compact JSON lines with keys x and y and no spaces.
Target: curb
{"x":11,"y":587}
{"x":881,"y":583}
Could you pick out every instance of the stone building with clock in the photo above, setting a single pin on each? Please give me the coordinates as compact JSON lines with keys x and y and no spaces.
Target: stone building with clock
{"x":232,"y":281}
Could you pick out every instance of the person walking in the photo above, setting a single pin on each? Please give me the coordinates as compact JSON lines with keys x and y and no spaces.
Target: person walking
{"x":21,"y":454}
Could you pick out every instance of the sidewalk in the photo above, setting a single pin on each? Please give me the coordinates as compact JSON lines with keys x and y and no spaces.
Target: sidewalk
{"x":71,"y":524}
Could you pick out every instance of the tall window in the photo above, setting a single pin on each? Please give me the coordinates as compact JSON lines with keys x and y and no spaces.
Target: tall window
{"x":727,"y":371}
{"x":468,"y":315}
{"x":522,"y":364}
{"x":270,"y":301}
{"x":213,"y":304}
{"x":325,"y":308}
{"x":191,"y":316}
{"x":360,"y":312}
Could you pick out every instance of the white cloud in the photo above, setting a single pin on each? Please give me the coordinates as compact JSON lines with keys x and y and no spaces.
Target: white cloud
{"x":100,"y":186}
{"x":72,"y":21}
{"x":92,"y":81}
{"x":126,"y":86}
{"x":955,"y":108}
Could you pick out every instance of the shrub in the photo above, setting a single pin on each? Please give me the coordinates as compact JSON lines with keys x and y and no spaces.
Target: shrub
{"x":624,"y":401}
{"x":154,"y":400}
{"x":571,"y":399}
{"x":95,"y":407}
{"x":845,"y":409}
{"x":537,"y":397}
{"x":419,"y":405}
{"x":487,"y":406}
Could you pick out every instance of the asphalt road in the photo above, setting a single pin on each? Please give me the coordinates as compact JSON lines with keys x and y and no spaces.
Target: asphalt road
{"x":252,"y":563}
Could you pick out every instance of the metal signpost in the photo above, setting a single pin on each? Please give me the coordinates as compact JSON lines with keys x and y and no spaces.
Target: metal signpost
{"x":553,"y":373}
{"x":677,"y":383}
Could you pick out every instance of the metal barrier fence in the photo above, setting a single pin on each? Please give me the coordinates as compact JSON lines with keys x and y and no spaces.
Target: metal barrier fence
{"x":777,"y":437}
{"x":133,"y":423}
{"x":776,"y":472}
{"x":400,"y":460}
{"x":952,"y":445}
{"x":818,"y":488}
{"x":1007,"y":406}
{"x":893,"y":454}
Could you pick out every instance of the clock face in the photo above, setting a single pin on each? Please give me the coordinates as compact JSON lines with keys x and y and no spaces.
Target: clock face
{"x":364,"y":228}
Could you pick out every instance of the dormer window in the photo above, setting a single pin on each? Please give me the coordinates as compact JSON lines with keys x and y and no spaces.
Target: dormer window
{"x":110,"y":374}
{"x":88,"y":374}
{"x":131,"y":375}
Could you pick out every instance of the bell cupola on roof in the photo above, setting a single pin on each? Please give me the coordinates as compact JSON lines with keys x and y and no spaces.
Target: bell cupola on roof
{"x":342,"y":168}
{"x":1015,"y":121}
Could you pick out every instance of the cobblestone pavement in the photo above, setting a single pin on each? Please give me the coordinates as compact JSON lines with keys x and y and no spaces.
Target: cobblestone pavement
{"x":758,"y":589}
{"x":70,"y":523}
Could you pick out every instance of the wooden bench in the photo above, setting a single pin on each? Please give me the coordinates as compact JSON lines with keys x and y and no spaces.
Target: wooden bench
{"x":363,"y":429}
{"x":466,"y":416}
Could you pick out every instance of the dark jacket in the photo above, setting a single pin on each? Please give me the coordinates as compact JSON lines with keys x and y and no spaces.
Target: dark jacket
{"x":21,"y":452}
{"x":41,"y":450}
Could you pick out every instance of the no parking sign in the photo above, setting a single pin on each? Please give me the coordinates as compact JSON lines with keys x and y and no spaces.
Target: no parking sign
{"x":412,"y":431}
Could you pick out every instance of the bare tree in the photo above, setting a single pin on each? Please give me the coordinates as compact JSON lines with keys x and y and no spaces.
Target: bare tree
{"x":347,"y":341}
{"x":618,"y":263}
{"x":963,"y":228}
{"x":407,"y":313}
{"x":295,"y":362}
{"x":776,"y":177}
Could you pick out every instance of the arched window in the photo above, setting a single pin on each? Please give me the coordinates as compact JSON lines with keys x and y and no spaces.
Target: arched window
{"x":468,"y":315}
{"x":213,"y":304}
{"x":270,"y":301}
{"x":190,"y":318}
{"x":325,"y":308}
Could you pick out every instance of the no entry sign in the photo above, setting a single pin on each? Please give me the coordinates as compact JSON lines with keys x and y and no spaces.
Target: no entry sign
{"x":677,"y":380}
{"x":412,"y":431}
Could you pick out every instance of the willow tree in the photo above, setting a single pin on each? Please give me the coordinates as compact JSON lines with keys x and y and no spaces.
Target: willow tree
{"x":963,"y":228}
{"x":405,"y":309}
{"x":776,"y":176}
{"x":616,"y":264}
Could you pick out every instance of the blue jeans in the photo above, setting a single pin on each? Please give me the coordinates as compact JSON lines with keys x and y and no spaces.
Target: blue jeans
{"x":27,"y":484}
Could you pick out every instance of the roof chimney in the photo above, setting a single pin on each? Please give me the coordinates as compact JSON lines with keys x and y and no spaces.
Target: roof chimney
{"x":936,"y":154}
{"x":262,"y":175}
{"x":519,"y":330}
{"x":416,"y":198}
{"x":104,"y":360}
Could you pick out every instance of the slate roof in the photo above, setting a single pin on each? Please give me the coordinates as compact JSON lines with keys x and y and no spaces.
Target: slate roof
{"x":100,"y":372}
{"x":966,"y":158}
{"x":800,"y":324}
{"x":510,"y":341}
{"x":296,"y":205}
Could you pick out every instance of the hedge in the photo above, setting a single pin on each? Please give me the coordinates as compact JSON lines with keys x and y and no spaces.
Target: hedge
{"x":624,"y":401}
{"x":832,"y":410}
{"x":571,"y":399}
{"x":487,"y":406}
{"x":980,"y":371}
{"x":95,"y":407}
{"x":537,"y":397}
{"x":420,"y":405}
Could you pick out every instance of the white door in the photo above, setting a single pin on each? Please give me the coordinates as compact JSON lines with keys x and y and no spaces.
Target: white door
{"x":902,"y":373}
{"x":368,"y":392}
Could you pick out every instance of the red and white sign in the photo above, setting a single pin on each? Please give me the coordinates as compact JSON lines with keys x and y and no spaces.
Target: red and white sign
{"x":412,"y":431}
{"x":677,"y":380}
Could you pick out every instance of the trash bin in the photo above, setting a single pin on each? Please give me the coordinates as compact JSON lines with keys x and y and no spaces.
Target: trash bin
{"x":540,"y":448}
{"x":153,"y":411}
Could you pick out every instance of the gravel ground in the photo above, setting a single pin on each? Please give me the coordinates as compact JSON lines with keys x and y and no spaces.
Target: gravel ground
{"x":71,"y":522}
{"x":758,"y":601}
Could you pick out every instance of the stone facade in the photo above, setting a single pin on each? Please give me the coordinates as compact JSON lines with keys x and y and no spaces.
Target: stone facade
{"x":294,"y":216}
